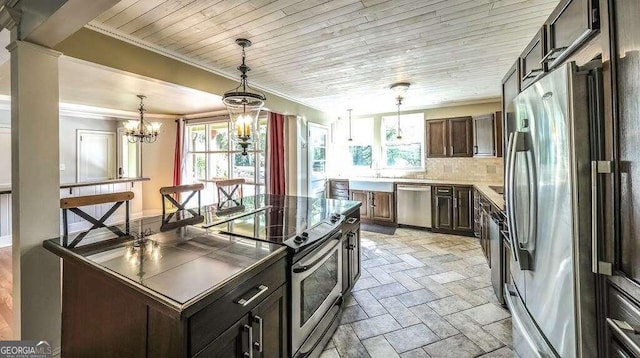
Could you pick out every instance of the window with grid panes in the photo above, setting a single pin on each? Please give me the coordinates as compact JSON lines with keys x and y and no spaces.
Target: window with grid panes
{"x":211,"y":155}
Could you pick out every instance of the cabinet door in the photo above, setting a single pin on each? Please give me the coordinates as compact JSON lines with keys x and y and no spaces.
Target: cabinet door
{"x":442,"y":207}
{"x":510,"y":89}
{"x":497,"y":143}
{"x":484,"y":136}
{"x":460,"y":137}
{"x":437,"y":138}
{"x":363,"y":197}
{"x":462,"y":208}
{"x":354,"y":256}
{"x":346,"y":273}
{"x":382,"y":206}
{"x":531,"y":67}
{"x":476,"y":214}
{"x":570,"y":24}
{"x":269,"y":322}
{"x":234,"y":342}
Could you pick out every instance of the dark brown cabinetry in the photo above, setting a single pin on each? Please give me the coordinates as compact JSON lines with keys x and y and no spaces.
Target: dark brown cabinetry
{"x":437,"y":139}
{"x":363,"y":197}
{"x":460,"y":137}
{"x":376,"y":206}
{"x":259,"y":333}
{"x":463,"y":208}
{"x":570,"y":24}
{"x":219,"y":324}
{"x":351,"y":256}
{"x":443,"y":207}
{"x":453,"y":209}
{"x":338,"y":189}
{"x":531,"y":65}
{"x":510,"y":89}
{"x":487,"y":135}
{"x":451,"y":137}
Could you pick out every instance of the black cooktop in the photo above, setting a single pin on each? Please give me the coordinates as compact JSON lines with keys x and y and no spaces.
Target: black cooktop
{"x":283,"y":225}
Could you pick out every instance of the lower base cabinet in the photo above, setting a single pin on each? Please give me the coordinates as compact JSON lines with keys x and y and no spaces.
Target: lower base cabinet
{"x":452,"y":209}
{"x":260,"y":333}
{"x":351,"y":257}
{"x":377,"y":206}
{"x":104,"y":318}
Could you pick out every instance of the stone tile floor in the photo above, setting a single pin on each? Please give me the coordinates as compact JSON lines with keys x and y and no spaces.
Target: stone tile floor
{"x":422,"y":295}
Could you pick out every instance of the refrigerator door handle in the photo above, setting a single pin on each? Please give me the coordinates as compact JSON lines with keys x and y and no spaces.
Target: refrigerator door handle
{"x":518,"y":247}
{"x":509,"y":192}
{"x":597,"y":266}
{"x":529,"y":244}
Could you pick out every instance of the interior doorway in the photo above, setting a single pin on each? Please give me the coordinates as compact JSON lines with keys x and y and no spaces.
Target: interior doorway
{"x":96,"y":155}
{"x":317,"y":160}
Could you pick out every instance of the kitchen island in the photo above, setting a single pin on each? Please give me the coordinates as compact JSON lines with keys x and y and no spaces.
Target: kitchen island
{"x":176,"y":286}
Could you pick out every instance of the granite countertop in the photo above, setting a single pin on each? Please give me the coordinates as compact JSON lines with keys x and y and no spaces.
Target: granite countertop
{"x":175,"y":266}
{"x":183,"y":260}
{"x":482,"y":187}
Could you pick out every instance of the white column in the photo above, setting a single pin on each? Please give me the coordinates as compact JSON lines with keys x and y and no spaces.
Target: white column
{"x":35,"y":186}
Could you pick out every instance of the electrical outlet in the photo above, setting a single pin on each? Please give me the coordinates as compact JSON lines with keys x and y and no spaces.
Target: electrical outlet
{"x":62,"y":166}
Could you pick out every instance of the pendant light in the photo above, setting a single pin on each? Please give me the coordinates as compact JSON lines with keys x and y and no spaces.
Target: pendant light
{"x":399,"y":89}
{"x":243,"y":104}
{"x":141,"y":130}
{"x":350,"y":138}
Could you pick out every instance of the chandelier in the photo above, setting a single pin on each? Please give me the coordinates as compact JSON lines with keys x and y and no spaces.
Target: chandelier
{"x":141,"y":130}
{"x":399,"y":89}
{"x":243,"y":104}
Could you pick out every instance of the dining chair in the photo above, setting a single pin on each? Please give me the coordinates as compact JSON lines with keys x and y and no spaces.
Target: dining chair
{"x":168,"y":193}
{"x":74,"y":204}
{"x":229,"y":191}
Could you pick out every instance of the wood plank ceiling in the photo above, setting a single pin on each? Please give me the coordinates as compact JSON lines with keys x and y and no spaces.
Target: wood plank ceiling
{"x":339,"y":54}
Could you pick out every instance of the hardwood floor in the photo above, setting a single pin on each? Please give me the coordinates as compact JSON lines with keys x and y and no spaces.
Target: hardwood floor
{"x":6,"y":288}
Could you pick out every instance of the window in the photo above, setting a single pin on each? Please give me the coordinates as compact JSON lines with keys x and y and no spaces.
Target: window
{"x":360,"y":148}
{"x":407,"y":152}
{"x":211,"y":155}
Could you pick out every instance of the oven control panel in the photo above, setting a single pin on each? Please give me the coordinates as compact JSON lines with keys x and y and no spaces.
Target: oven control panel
{"x":320,"y":232}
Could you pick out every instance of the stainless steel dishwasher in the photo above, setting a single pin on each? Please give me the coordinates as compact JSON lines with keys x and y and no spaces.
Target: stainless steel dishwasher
{"x":414,"y":205}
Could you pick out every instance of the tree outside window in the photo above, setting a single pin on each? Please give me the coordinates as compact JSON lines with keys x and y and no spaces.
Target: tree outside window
{"x":407,"y":152}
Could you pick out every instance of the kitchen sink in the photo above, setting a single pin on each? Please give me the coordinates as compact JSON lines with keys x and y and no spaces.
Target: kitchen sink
{"x":497,"y":189}
{"x":371,"y":185}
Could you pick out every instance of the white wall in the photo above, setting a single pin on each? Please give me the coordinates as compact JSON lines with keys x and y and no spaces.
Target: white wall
{"x":157,"y":164}
{"x":69,"y":127}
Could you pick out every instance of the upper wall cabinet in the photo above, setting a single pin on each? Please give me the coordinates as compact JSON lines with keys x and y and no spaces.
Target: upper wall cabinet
{"x":487,"y":135}
{"x":450,"y":137}
{"x":531,"y":64}
{"x":570,"y":24}
{"x":510,"y":89}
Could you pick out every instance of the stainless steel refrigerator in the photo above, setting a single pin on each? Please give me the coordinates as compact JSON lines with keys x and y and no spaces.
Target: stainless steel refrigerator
{"x":548,"y":200}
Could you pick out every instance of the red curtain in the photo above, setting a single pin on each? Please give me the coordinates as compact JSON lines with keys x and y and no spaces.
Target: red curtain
{"x":177,"y":157}
{"x":276,"y":161}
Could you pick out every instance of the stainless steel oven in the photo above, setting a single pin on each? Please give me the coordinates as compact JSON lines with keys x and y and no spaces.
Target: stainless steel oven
{"x":316,"y":284}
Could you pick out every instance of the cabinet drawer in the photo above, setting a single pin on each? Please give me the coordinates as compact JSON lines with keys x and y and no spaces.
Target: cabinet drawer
{"x":531,"y":66}
{"x":443,"y":190}
{"x":622,"y":309}
{"x":340,"y":194}
{"x":570,"y":24}
{"x":339,"y":185}
{"x":214,"y":319}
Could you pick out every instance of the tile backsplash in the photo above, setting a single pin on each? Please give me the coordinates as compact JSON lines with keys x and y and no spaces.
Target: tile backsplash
{"x":474,"y":169}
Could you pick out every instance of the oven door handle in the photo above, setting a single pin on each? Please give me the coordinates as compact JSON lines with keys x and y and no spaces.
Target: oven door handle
{"x":302,"y":267}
